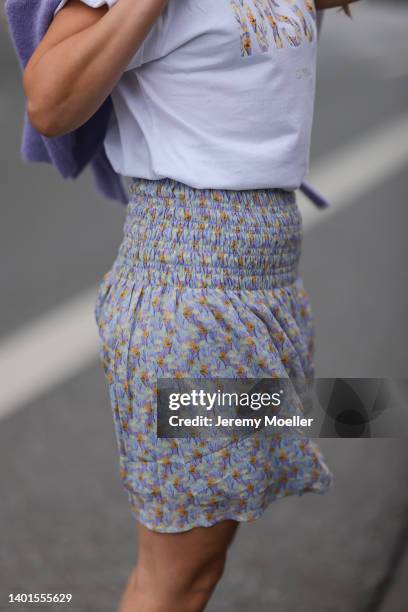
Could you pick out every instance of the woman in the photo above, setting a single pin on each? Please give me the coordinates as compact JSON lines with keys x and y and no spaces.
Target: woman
{"x":213,"y":105}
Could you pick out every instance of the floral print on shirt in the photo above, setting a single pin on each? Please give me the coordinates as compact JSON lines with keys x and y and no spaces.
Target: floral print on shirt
{"x":273,"y":24}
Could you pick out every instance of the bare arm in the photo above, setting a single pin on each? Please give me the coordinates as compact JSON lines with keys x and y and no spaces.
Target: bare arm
{"x":81,"y":58}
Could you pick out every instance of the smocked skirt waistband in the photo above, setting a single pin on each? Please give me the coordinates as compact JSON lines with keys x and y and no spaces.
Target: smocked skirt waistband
{"x":177,"y":235}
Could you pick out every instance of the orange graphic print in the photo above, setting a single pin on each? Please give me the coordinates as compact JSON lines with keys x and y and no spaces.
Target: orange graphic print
{"x":273,"y":24}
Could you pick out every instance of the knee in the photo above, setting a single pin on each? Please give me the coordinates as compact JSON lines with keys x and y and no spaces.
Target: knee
{"x":208,"y":577}
{"x":190,"y":593}
{"x":195,"y":593}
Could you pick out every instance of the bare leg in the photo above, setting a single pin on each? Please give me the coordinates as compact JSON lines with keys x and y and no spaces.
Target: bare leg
{"x":177,"y":572}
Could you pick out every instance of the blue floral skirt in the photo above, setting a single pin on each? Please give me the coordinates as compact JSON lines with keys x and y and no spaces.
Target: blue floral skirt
{"x":205,"y":284}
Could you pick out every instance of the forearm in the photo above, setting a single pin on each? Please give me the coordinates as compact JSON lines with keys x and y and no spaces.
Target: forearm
{"x":66,"y":84}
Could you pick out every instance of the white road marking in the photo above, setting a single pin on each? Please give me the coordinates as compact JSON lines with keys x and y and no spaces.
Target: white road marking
{"x":46,"y":352}
{"x":359,"y":167}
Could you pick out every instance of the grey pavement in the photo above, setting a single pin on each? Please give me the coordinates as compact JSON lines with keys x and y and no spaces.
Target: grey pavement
{"x":65,"y":525}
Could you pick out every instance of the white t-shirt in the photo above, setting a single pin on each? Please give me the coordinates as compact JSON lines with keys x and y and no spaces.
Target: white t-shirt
{"x":219,"y":95}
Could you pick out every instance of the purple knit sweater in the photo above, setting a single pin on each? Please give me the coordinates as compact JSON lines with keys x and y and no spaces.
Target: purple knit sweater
{"x":28,"y":22}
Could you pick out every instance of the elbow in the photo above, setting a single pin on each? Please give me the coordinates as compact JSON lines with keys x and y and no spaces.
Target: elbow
{"x":44,"y":120}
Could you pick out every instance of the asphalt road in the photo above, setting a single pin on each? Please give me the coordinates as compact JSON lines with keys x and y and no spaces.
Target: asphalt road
{"x":64,"y":521}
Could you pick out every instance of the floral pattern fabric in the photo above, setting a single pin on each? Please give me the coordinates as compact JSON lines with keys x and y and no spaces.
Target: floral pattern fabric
{"x":267,"y":25}
{"x":205,"y":285}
